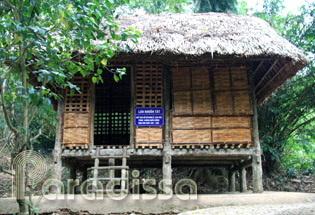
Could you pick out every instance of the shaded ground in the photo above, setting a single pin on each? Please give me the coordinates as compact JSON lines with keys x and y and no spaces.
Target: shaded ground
{"x":278,"y":209}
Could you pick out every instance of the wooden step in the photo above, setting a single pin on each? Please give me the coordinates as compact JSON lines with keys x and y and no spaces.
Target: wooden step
{"x":109,"y":179}
{"x":111,"y":156}
{"x":111,"y":167}
{"x":115,"y":191}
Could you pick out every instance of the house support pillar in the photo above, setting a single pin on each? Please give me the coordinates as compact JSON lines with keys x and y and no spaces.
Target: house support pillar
{"x":83,"y":173}
{"x":243,"y":184}
{"x":167,"y":150}
{"x":231,"y":181}
{"x":167,"y":173}
{"x":57,"y":149}
{"x":256,"y":157}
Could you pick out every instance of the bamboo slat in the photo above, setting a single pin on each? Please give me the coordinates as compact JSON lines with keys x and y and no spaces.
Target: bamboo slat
{"x":144,"y":135}
{"x":191,"y":122}
{"x":233,"y":121}
{"x":224,"y":102}
{"x":232,"y":135}
{"x":76,"y":136}
{"x":197,"y":136}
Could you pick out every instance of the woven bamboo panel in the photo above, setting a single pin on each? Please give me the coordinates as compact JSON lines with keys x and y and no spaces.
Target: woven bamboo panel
{"x":224,"y":102}
{"x":76,"y":136}
{"x":80,"y":101}
{"x":221,"y":78}
{"x":202,"y":101}
{"x":191,"y":122}
{"x":233,"y":121}
{"x":147,"y":135}
{"x":181,"y":78}
{"x":200,"y":78}
{"x":191,"y":136}
{"x":232,"y":135}
{"x":182,"y":102}
{"x":149,"y":84}
{"x":239,"y":78}
{"x":242,"y":102}
{"x":76,"y":119}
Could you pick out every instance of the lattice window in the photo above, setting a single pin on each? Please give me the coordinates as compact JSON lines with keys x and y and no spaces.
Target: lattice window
{"x":76,"y":128}
{"x":80,"y":101}
{"x":149,"y":84}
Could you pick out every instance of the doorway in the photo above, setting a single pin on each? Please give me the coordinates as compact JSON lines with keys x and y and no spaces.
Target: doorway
{"x":112,"y":110}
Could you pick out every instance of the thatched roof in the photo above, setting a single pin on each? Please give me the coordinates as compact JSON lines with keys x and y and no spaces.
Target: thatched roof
{"x":217,"y":35}
{"x":198,"y":34}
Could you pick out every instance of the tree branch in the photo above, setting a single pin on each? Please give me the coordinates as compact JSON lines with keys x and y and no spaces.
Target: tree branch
{"x":300,"y":125}
{"x":37,"y":136}
{"x":5,"y":111}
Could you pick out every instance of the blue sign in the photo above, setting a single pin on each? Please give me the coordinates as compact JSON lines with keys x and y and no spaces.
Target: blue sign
{"x":149,"y":117}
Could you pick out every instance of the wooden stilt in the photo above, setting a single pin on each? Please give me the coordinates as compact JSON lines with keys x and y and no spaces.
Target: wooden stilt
{"x":58,"y":140}
{"x":243,"y":184}
{"x":167,"y":171}
{"x":231,"y":181}
{"x":256,"y":157}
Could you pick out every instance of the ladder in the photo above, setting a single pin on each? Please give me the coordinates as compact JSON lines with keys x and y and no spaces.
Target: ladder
{"x":112,"y":168}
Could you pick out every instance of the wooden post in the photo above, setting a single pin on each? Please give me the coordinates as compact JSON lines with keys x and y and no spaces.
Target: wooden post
{"x":231,"y":181}
{"x":92,"y":115}
{"x":167,"y":170}
{"x":167,"y":106}
{"x":167,"y":157}
{"x":243,"y":184}
{"x":256,"y":157}
{"x":73,"y":172}
{"x":124,"y":171}
{"x":58,"y":140}
{"x":132,"y":104}
{"x":111,"y":162}
{"x":83,"y":173}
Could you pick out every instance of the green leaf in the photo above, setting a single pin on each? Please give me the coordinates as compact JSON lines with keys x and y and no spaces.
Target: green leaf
{"x":116,"y":78}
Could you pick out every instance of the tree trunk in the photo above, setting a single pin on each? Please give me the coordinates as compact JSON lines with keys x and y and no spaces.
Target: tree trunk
{"x":20,"y":173}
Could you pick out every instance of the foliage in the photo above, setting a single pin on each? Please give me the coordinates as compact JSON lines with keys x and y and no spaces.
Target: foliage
{"x":179,"y":6}
{"x":156,"y":6}
{"x":204,"y":6}
{"x":286,"y":119}
{"x":42,"y":42}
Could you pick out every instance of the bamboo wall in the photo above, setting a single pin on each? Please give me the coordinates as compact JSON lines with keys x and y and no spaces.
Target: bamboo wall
{"x":211,"y":105}
{"x":149,"y":81}
{"x":76,"y":117}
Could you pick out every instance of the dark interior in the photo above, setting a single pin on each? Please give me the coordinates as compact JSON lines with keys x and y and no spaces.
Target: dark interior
{"x":112,"y":110}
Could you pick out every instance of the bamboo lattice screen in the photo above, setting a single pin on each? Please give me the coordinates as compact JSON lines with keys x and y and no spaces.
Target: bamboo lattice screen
{"x":211,"y":105}
{"x":76,"y":128}
{"x":149,"y":79}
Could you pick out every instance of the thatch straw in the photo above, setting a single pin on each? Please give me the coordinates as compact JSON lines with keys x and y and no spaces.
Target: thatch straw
{"x":211,"y":33}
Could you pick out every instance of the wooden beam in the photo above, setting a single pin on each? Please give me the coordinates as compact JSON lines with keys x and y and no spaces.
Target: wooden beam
{"x":267,"y":73}
{"x":276,"y":75}
{"x":242,"y":165}
{"x":258,"y":67}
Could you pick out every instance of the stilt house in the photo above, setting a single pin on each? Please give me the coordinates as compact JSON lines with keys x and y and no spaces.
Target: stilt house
{"x":189,"y":97}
